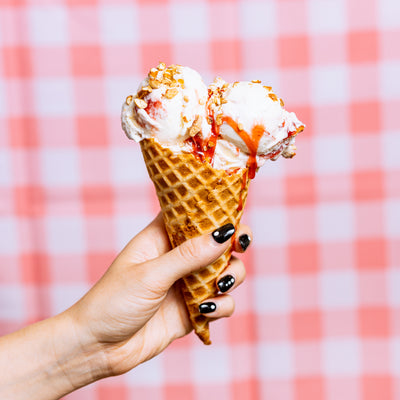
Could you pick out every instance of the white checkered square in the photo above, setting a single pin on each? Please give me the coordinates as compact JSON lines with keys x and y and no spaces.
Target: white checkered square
{"x":65,"y":295}
{"x":189,"y":21}
{"x":257,"y":19}
{"x":9,"y":236}
{"x":5,"y":168}
{"x":389,"y":80}
{"x":150,"y":373}
{"x":329,"y":84}
{"x":332,"y":154}
{"x":272,"y":294}
{"x":276,"y":360}
{"x":335,"y":221}
{"x":53,"y":97}
{"x":48,"y":25}
{"x":327,"y":16}
{"x":392,"y":218}
{"x":393,"y":285}
{"x":269,"y":225}
{"x":127,"y":165}
{"x":217,"y":360}
{"x":341,"y":356}
{"x":119,"y":24}
{"x":388,"y":14}
{"x":390,"y":152}
{"x":338,"y":290}
{"x":3,"y":101}
{"x":127,"y":226}
{"x":60,"y":167}
{"x":12,"y":307}
{"x":65,"y":235}
{"x":117,"y":89}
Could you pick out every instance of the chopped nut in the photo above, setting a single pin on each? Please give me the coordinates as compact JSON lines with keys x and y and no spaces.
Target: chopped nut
{"x":240,"y":127}
{"x":153,"y":73}
{"x":196,"y":126}
{"x":224,"y":101}
{"x":186,"y":98}
{"x":129,"y":100}
{"x":282,"y":103}
{"x":209,"y":120}
{"x":269,"y":88}
{"x":273,"y":96}
{"x":218,"y":119}
{"x":140,"y":103}
{"x":170,"y":93}
{"x":161,"y":66}
{"x":185,"y":119}
{"x":154,"y":83}
{"x":147,"y":89}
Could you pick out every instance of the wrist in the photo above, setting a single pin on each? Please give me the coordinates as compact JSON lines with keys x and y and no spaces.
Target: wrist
{"x":79,"y":357}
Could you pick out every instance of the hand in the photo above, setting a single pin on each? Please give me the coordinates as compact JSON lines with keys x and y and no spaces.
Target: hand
{"x":135,"y":310}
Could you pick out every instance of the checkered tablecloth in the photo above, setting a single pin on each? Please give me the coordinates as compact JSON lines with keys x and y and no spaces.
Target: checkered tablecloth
{"x":318,"y":317}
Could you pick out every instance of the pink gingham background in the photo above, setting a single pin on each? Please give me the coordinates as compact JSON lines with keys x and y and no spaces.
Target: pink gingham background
{"x":318,"y":317}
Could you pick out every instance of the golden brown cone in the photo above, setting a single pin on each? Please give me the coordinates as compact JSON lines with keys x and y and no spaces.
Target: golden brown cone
{"x":195,"y":198}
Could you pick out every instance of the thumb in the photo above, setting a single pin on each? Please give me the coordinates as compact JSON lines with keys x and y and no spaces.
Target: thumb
{"x":188,"y":257}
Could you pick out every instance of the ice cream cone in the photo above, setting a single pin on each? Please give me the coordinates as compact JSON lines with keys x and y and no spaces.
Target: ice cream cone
{"x":195,"y":198}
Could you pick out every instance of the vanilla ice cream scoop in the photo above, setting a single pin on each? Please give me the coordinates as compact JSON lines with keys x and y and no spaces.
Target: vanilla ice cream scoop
{"x":252,"y":123}
{"x":169,"y":106}
{"x":230,"y":126}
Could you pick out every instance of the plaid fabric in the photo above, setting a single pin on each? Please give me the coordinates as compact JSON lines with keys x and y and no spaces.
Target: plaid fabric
{"x":319,"y":314}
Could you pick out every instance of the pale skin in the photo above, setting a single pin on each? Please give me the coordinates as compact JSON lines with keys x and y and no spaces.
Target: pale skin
{"x":131,"y":314}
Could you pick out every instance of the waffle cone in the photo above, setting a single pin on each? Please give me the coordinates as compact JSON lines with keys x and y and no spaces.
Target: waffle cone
{"x":195,"y":198}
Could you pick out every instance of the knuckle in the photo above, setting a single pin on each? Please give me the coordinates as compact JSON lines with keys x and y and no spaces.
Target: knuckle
{"x":188,"y":251}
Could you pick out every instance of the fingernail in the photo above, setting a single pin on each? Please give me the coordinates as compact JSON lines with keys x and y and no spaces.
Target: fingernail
{"x":208,"y":307}
{"x":223,"y":233}
{"x":244,"y":241}
{"x":226,"y":283}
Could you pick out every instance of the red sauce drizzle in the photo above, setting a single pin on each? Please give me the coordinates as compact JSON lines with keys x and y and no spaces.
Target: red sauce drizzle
{"x":153,"y":107}
{"x":252,"y":141}
{"x":204,"y":149}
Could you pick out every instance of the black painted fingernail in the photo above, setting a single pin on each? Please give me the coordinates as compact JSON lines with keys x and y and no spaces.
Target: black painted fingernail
{"x":244,"y":241}
{"x":226,"y":283}
{"x":223,"y":233}
{"x":208,"y":307}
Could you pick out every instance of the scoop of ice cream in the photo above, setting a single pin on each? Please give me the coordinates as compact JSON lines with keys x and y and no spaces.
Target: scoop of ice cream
{"x":169,"y":106}
{"x":231,"y":126}
{"x":251,"y":119}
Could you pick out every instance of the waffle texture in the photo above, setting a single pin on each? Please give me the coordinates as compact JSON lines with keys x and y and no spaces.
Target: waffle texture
{"x":195,"y":198}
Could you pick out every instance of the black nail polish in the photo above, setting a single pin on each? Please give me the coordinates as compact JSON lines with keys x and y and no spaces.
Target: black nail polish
{"x":244,"y":241}
{"x":225,"y":283}
{"x":223,"y":233}
{"x":208,"y":307}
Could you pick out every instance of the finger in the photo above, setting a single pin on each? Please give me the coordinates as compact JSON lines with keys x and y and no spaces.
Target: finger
{"x":218,"y":307}
{"x":188,"y":257}
{"x":243,"y":239}
{"x":139,"y":250}
{"x":232,"y":276}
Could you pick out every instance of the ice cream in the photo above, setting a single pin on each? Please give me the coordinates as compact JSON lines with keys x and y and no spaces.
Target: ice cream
{"x":202,"y":145}
{"x":230,"y":126}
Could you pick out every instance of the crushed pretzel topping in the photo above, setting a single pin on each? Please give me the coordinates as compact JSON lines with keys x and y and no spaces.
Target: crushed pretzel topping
{"x":218,"y":119}
{"x":161,"y":66}
{"x":256,"y":81}
{"x":170,"y":93}
{"x":129,"y":100}
{"x":140,"y":103}
{"x":196,"y":126}
{"x":273,"y":96}
{"x":155,"y":83}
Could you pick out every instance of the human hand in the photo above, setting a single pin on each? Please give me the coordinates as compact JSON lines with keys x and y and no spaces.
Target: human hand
{"x":136,"y":310}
